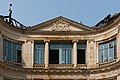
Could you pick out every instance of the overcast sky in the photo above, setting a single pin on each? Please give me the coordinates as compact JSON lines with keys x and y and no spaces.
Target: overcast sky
{"x":33,"y":12}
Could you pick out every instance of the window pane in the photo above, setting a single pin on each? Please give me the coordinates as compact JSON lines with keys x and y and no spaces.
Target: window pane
{"x":69,"y":56}
{"x":111,"y":53}
{"x":100,"y":56}
{"x":105,"y":45}
{"x":105,"y":56}
{"x":63,"y":56}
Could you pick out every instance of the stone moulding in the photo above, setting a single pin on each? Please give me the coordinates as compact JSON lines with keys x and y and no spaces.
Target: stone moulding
{"x":66,"y":70}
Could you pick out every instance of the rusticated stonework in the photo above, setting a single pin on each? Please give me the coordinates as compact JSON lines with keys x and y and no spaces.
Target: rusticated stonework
{"x":60,"y":25}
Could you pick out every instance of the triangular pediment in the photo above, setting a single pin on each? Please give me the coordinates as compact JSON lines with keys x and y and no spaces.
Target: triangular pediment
{"x":60,"y":24}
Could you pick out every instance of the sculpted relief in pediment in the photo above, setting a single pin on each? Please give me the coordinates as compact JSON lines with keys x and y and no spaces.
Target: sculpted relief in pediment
{"x":60,"y":25}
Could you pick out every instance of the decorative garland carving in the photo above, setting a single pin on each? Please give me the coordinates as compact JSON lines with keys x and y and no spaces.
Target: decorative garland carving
{"x":60,"y":25}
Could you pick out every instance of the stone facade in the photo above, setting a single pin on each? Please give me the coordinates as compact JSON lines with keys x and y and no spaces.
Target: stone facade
{"x":60,"y":29}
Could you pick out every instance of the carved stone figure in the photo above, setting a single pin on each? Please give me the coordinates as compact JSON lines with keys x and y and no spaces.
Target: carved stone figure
{"x":60,"y":25}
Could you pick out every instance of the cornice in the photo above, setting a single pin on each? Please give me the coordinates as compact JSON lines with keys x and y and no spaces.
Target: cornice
{"x":59,"y":32}
{"x":88,"y":30}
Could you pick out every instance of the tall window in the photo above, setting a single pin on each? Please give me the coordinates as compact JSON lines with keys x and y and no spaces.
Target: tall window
{"x":60,"y":54}
{"x":39,"y":53}
{"x":81,"y":53}
{"x":107,"y":51}
{"x":66,"y":54}
{"x":12,"y":51}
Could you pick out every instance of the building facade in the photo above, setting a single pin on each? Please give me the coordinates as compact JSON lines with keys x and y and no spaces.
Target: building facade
{"x":60,"y":49}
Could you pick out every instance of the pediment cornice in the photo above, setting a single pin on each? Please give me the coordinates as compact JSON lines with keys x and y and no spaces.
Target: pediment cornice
{"x":60,"y":24}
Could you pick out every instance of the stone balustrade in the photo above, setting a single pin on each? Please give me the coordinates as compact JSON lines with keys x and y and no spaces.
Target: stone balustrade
{"x":13,"y":63}
{"x":60,"y":66}
{"x":39,"y":66}
{"x":108,"y":63}
{"x":83,"y":66}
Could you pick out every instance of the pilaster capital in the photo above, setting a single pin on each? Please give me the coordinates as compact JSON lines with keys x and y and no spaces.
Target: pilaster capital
{"x":75,"y":40}
{"x":31,"y":41}
{"x":90,"y":40}
{"x":46,"y":40}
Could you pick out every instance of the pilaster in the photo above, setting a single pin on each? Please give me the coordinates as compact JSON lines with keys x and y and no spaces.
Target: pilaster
{"x":46,"y":53}
{"x":91,"y":61}
{"x":28,"y":54}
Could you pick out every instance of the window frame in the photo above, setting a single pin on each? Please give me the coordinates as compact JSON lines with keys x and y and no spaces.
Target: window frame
{"x":10,"y":48}
{"x":107,"y":42}
{"x":39,"y":52}
{"x":64,"y":49}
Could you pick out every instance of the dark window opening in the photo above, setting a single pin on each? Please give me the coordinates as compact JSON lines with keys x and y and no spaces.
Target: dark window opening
{"x":19,"y":56}
{"x":53,"y":56}
{"x":81,"y":56}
